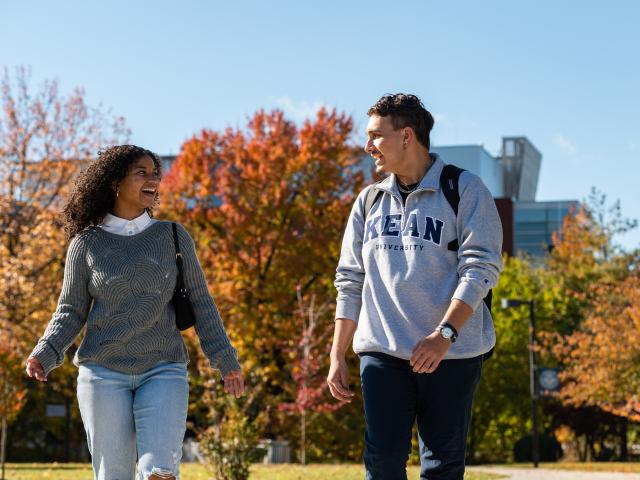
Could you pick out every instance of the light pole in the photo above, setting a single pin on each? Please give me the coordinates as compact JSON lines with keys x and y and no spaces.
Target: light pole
{"x":508,"y":303}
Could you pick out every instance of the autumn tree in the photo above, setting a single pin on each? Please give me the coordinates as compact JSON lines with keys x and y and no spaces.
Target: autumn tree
{"x":267,"y":207}
{"x":592,"y":278}
{"x":307,"y":360}
{"x":586,"y":253}
{"x":45,"y":138}
{"x":12,"y":389}
{"x":604,"y":367}
{"x":562,"y":285}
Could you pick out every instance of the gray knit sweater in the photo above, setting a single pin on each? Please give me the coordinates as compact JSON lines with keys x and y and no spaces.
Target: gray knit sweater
{"x":121,"y":288}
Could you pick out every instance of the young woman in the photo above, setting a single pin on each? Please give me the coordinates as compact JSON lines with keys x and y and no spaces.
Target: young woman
{"x":119,"y":280}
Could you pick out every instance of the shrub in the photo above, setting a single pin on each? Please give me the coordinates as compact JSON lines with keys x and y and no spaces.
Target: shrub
{"x":229,"y":446}
{"x":550,"y":449}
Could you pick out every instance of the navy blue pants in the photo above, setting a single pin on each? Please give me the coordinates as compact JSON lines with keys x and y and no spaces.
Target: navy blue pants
{"x":440,"y":402}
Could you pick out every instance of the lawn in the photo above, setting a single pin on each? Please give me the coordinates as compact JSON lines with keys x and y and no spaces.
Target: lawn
{"x":622,"y":467}
{"x":76,"y":471}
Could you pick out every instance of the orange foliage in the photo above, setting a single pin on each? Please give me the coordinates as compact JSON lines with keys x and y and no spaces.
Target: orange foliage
{"x":603,"y":357}
{"x":267,"y":207}
{"x":596,"y":337}
{"x":12,"y":391}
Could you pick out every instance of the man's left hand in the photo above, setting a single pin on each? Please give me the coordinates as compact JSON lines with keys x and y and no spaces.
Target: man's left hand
{"x":428,"y":353}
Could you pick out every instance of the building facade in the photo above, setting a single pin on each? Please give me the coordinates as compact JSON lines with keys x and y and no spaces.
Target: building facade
{"x":535,"y":222}
{"x":512,"y":178}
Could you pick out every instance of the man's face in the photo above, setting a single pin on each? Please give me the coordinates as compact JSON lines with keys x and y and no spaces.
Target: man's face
{"x":385,"y":144}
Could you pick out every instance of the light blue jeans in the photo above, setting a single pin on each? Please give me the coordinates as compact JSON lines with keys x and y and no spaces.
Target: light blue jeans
{"x":134,"y":418}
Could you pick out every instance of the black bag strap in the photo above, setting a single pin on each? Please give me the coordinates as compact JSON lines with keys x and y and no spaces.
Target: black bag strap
{"x":373,"y":195}
{"x":180,"y":280}
{"x":449,"y":179}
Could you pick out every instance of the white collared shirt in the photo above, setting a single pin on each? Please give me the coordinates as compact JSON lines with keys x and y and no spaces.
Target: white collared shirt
{"x":122,"y":226}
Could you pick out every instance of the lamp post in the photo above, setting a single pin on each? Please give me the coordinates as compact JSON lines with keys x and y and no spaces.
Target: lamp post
{"x":508,"y":303}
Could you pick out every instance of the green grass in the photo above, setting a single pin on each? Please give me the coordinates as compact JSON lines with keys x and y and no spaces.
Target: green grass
{"x":626,"y":467}
{"x":190,"y":471}
{"x":79,"y":471}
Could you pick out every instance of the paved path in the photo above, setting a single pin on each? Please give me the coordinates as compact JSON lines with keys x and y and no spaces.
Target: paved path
{"x":549,"y":474}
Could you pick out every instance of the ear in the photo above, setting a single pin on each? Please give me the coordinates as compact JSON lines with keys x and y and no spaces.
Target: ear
{"x":408,"y":136}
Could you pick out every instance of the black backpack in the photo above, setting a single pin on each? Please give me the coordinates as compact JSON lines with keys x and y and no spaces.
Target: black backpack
{"x":449,"y":184}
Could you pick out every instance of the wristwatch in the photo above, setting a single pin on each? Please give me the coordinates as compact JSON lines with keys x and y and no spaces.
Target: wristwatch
{"x":447,"y":331}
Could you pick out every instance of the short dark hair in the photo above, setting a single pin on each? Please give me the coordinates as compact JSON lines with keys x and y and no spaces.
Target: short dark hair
{"x":405,"y":111}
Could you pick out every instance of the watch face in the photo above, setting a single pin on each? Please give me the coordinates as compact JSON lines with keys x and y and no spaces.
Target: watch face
{"x":446,"y":332}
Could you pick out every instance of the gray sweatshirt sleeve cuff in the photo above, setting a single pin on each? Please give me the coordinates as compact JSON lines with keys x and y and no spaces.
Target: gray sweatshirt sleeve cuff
{"x":349,"y":309}
{"x":226,"y":362}
{"x":47,"y":356}
{"x":469,"y":293}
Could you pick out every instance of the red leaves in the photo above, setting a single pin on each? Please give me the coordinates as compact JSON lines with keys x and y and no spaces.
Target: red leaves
{"x":307,"y":371}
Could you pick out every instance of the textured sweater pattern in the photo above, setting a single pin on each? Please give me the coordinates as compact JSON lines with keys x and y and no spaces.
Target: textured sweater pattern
{"x":121,"y":287}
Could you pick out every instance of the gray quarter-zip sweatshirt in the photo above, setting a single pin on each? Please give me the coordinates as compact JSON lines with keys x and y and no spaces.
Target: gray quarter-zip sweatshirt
{"x":396,"y":277}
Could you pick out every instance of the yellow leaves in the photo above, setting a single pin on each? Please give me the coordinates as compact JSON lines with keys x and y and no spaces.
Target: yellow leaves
{"x":12,"y":388}
{"x":45,"y":138}
{"x":603,"y":369}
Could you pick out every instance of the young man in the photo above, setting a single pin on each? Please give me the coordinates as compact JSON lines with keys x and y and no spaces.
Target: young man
{"x":413,"y":300}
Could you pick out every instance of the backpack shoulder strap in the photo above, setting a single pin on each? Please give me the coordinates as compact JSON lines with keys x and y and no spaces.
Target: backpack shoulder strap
{"x":449,"y":179}
{"x":449,"y":183}
{"x":373,"y":195}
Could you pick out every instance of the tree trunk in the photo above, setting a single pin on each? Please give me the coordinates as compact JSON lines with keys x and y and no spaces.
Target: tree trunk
{"x":3,"y":443}
{"x":582,"y":448}
{"x":624,"y":453}
{"x":591,"y":444}
{"x":303,"y":456}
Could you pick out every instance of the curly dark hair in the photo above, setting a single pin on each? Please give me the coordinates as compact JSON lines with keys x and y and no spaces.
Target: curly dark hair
{"x":94,"y":194}
{"x":405,"y":111}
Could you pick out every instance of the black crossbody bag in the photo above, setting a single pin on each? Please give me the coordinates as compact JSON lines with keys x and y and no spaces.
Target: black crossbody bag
{"x":185,"y":317}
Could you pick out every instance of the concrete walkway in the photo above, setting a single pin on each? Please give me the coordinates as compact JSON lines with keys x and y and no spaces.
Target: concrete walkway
{"x":550,"y":474}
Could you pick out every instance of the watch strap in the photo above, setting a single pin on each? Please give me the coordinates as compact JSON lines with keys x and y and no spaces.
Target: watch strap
{"x":454,"y":337}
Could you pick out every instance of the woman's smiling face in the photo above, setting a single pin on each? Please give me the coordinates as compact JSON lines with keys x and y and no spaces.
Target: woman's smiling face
{"x":139,"y":189}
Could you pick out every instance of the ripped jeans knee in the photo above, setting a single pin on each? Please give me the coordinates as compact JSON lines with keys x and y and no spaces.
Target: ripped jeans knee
{"x":158,"y":473}
{"x":163,"y":467}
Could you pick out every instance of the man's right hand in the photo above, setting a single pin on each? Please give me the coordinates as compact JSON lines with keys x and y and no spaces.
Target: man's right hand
{"x":35,"y":370}
{"x":338,"y":380}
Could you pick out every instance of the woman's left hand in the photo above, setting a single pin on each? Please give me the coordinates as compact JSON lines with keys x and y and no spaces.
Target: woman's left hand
{"x":234,"y":384}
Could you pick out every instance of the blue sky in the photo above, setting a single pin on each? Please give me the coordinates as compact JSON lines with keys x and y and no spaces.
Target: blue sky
{"x":565,"y":74}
